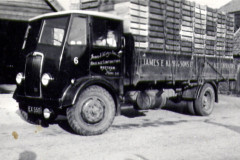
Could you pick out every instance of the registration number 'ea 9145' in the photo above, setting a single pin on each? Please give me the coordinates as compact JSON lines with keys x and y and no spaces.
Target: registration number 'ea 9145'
{"x":34,"y":110}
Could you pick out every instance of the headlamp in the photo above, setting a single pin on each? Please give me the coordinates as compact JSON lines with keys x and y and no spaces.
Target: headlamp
{"x":46,"y":78}
{"x":19,"y":78}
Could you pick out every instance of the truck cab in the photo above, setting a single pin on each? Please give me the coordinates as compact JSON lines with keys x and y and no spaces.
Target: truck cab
{"x":70,"y":58}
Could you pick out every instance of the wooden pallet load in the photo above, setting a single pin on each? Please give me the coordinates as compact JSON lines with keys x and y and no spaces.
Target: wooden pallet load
{"x":211,"y":31}
{"x":187,"y":27}
{"x":229,"y":35}
{"x":136,"y":18}
{"x":172,"y":26}
{"x":156,"y":26}
{"x":221,"y":34}
{"x":200,"y":22}
{"x":175,"y":26}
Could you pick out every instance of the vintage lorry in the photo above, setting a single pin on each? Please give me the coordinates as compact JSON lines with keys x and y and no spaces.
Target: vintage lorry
{"x":73,"y":66}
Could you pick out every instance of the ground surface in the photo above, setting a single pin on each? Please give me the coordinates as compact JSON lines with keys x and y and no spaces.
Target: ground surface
{"x":168,"y":134}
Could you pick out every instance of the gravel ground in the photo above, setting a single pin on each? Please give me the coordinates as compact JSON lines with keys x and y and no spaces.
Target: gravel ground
{"x":167,"y":134}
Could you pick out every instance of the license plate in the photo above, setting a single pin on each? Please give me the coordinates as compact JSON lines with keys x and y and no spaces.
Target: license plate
{"x":34,"y":110}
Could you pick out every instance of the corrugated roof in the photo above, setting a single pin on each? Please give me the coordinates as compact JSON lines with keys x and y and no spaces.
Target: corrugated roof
{"x":232,"y":6}
{"x":22,"y":10}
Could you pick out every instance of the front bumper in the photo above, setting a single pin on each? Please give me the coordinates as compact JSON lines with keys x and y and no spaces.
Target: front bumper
{"x":36,"y":101}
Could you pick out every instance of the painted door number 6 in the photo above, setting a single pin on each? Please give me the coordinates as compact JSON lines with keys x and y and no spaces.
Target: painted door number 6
{"x":75,"y":60}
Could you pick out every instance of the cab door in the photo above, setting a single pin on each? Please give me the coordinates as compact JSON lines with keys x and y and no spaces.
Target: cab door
{"x":75,"y":62}
{"x":106,"y":52}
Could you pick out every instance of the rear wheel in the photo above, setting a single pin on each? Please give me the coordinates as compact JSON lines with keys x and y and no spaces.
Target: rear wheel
{"x":204,"y":104}
{"x":93,"y":112}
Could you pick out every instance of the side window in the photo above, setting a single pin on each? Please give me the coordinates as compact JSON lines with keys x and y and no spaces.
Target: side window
{"x":105,"y":33}
{"x":78,"y":32}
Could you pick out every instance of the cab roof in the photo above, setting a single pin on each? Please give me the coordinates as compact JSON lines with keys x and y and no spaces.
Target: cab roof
{"x":90,"y":13}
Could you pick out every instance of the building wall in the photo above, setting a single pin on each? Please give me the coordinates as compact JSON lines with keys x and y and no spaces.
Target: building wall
{"x":14,"y":15}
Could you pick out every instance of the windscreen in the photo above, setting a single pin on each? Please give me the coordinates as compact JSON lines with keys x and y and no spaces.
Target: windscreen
{"x":78,"y":32}
{"x":53,"y":31}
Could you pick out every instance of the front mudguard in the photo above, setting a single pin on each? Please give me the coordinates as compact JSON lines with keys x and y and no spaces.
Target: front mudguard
{"x":74,"y":90}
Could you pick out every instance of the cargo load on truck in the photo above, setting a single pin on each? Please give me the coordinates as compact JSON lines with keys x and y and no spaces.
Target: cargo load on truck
{"x":175,"y":40}
{"x":167,"y":26}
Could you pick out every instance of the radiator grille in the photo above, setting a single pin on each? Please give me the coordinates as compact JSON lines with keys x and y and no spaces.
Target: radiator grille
{"x":33,"y":75}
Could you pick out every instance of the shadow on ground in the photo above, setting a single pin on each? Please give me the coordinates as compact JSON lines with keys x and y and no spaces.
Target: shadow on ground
{"x":230,"y":127}
{"x":61,"y":122}
{"x":144,"y":124}
{"x":132,"y":113}
{"x":65,"y":126}
{"x":180,"y":108}
{"x":27,"y":155}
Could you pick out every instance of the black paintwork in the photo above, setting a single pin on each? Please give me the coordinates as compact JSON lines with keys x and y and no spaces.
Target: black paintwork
{"x":69,"y":77}
{"x":118,"y":69}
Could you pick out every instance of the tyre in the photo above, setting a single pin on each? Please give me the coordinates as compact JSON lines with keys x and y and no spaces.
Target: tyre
{"x":161,"y":100}
{"x":143,"y":101}
{"x":151,"y":99}
{"x":93,"y":112}
{"x":191,"y":108}
{"x":204,"y":104}
{"x":27,"y":117}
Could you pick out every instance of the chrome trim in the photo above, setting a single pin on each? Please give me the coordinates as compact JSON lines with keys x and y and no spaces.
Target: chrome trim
{"x":67,"y":30}
{"x":42,"y":55}
{"x":42,"y":28}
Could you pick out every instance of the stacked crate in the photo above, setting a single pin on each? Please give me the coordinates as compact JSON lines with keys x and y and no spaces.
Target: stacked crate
{"x":187,"y":27}
{"x":221,"y":34}
{"x":200,"y":28}
{"x":175,"y":26}
{"x":211,"y":31}
{"x":172,"y":26}
{"x":229,"y":35}
{"x":156,"y":26}
{"x":136,"y":18}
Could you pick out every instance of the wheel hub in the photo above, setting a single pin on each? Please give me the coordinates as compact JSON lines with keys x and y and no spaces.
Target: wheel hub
{"x":206,"y":101}
{"x":93,"y":110}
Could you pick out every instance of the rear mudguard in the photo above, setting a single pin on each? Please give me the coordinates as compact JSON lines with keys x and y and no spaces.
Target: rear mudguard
{"x":74,"y":90}
{"x":194,"y":93}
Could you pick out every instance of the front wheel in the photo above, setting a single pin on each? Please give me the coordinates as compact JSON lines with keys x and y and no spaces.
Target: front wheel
{"x":93,"y":112}
{"x":204,"y":104}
